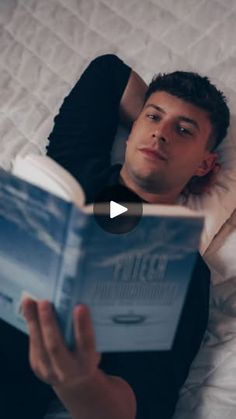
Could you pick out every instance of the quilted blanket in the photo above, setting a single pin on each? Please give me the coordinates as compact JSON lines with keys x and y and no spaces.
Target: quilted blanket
{"x":44,"y":47}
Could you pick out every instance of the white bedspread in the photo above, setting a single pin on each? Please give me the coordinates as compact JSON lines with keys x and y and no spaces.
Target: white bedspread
{"x":209,"y":392}
{"x":45,"y":45}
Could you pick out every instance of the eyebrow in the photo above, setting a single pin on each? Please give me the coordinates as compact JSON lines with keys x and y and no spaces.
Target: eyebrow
{"x":180,"y":117}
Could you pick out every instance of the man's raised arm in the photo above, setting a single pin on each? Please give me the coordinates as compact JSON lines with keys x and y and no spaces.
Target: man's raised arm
{"x":132,"y":99}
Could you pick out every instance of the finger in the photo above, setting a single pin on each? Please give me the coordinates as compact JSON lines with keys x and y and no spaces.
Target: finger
{"x":37,"y":350}
{"x":30,"y":312}
{"x":51,"y":334}
{"x":83,"y":329}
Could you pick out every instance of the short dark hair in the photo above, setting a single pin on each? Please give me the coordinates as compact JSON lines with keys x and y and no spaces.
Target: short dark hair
{"x":199,"y":91}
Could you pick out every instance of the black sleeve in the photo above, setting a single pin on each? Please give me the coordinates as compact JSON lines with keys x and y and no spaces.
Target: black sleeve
{"x":22,"y":394}
{"x":156,"y":377}
{"x":86,"y":125}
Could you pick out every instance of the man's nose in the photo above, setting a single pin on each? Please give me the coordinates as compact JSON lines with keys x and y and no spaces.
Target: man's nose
{"x":162,"y":131}
{"x":161,"y":136}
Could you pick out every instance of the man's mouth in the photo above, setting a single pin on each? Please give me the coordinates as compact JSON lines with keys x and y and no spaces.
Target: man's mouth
{"x":153,"y":154}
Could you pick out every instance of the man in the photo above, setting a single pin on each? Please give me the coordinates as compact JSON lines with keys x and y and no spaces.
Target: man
{"x":177,"y":122}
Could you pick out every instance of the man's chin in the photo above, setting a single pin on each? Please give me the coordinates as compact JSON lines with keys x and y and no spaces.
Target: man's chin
{"x":149,"y":182}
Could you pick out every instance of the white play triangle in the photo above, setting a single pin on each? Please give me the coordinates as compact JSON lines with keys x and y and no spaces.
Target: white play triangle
{"x":116,"y":209}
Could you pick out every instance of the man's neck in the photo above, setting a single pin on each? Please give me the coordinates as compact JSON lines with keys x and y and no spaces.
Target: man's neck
{"x":152,"y":198}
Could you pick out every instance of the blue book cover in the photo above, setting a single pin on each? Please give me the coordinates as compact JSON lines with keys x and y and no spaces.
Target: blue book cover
{"x":134,"y":283}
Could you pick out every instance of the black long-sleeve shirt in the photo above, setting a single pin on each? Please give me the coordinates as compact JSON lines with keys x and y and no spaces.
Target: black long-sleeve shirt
{"x":81,"y":141}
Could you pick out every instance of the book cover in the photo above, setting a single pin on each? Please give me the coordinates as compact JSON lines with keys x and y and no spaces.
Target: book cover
{"x":134,"y":283}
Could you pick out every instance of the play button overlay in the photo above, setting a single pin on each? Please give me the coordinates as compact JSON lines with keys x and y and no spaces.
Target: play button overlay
{"x":117,"y":209}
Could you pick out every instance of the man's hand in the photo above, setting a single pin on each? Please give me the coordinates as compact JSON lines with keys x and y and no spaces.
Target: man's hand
{"x":50,"y":359}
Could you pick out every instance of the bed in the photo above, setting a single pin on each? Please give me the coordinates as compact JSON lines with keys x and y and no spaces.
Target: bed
{"x":44,"y":47}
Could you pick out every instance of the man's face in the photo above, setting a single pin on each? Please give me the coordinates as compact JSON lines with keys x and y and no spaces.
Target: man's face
{"x":167,"y":144}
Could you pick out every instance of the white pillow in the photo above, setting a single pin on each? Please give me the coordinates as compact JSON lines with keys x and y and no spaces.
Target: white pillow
{"x":219,"y":203}
{"x":220,"y":255}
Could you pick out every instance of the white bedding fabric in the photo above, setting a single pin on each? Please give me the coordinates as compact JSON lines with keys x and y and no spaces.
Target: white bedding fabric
{"x":210,"y":389}
{"x":44,"y":47}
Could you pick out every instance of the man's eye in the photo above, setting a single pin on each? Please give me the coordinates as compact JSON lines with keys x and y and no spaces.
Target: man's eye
{"x":183,"y":130}
{"x":153,"y":116}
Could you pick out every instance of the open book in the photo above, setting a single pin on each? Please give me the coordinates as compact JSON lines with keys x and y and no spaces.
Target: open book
{"x":52,"y":248}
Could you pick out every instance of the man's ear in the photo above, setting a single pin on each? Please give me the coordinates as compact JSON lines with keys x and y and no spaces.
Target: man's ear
{"x":207,"y":164}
